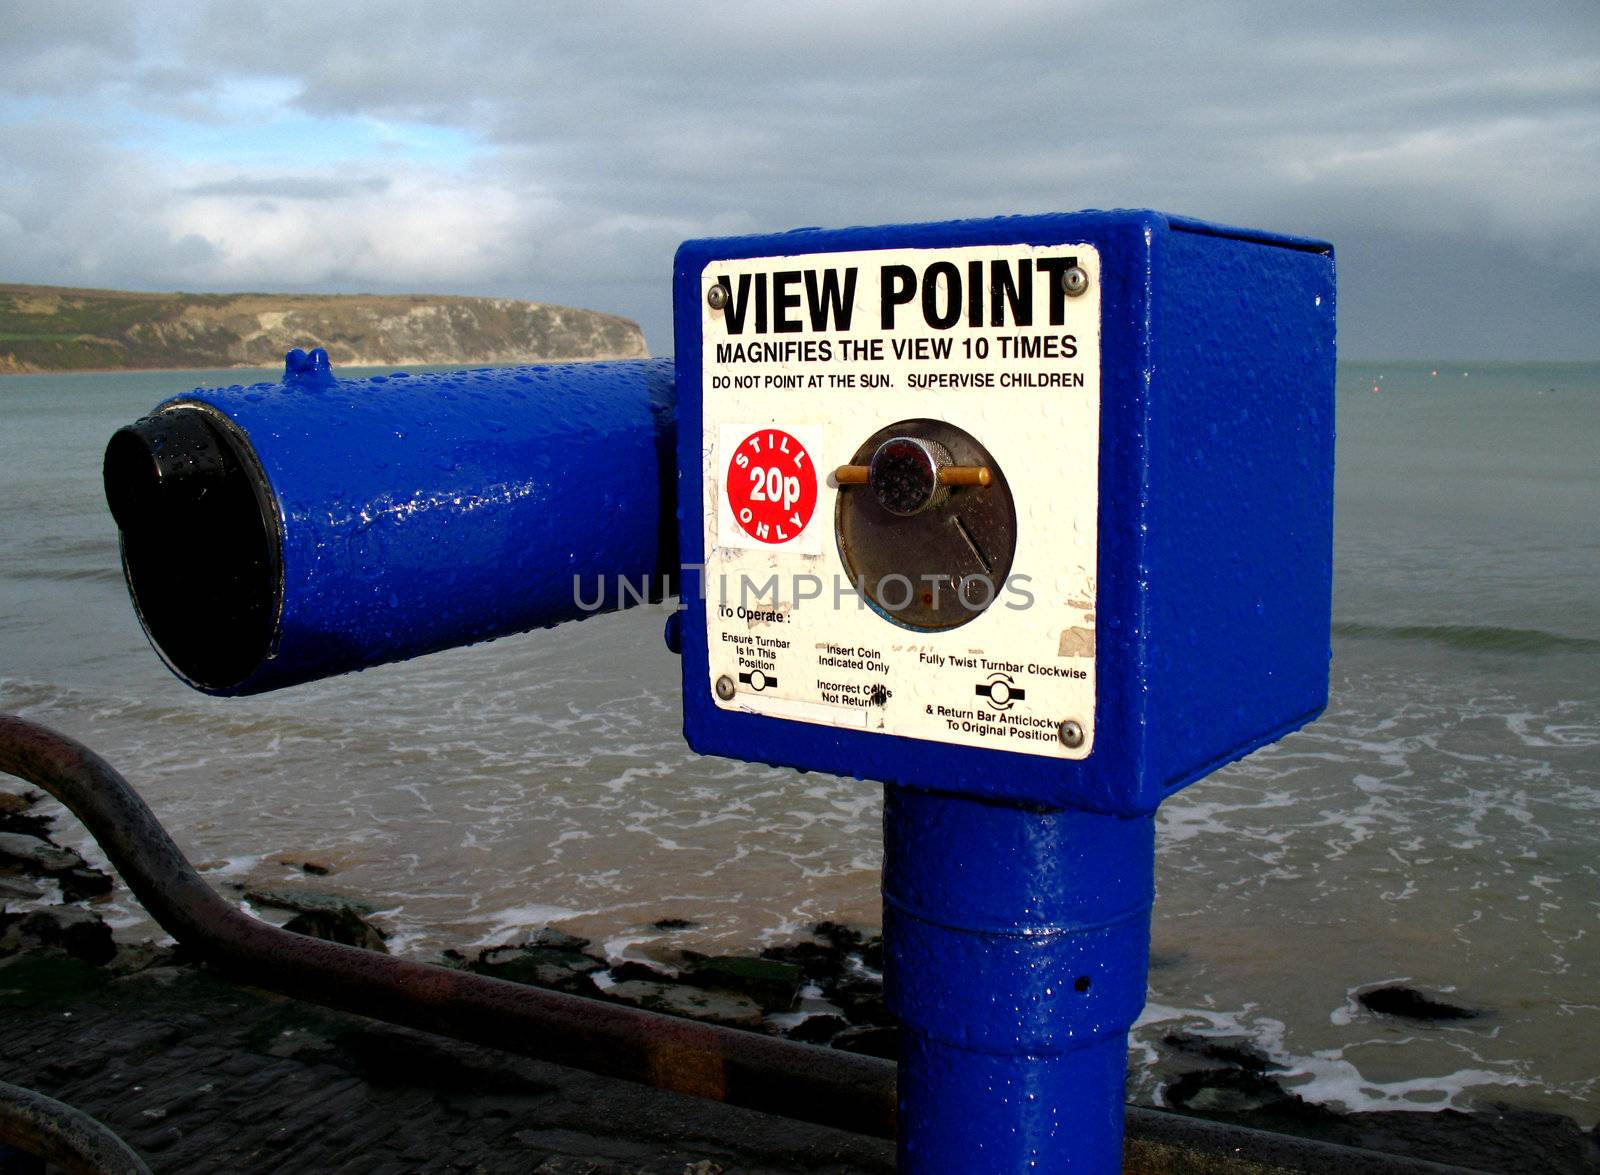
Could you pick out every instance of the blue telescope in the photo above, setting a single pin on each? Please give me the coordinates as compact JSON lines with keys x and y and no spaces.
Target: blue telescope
{"x":280,"y":533}
{"x":1029,"y":519}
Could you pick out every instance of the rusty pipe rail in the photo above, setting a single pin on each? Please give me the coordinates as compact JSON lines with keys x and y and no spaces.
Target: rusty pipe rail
{"x":63,"y":1135}
{"x":793,"y":1080}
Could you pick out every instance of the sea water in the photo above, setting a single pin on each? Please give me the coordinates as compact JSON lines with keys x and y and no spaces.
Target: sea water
{"x":1439,"y":826}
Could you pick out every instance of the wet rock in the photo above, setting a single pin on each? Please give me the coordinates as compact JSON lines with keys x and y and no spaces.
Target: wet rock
{"x":1227,"y":1091}
{"x":772,"y":984}
{"x":1245,"y":1086}
{"x":76,"y":931}
{"x":674,"y":924}
{"x":36,"y":855}
{"x":308,"y":901}
{"x":870,"y":1040}
{"x":15,"y":803}
{"x":1238,"y":1051}
{"x":37,"y":827}
{"x":343,"y":925}
{"x":1399,"y":1000}
{"x":158,"y":976}
{"x":15,"y":890}
{"x":138,"y":957}
{"x":555,"y":967}
{"x":718,"y":1007}
{"x":837,"y":955}
{"x":15,"y":815}
{"x":558,"y":939}
{"x":25,"y":848}
{"x":818,"y":1029}
{"x":314,"y":868}
{"x":78,"y":885}
{"x":861,"y":1000}
{"x":629,"y":970}
{"x":838,"y":935}
{"x":820,"y":962}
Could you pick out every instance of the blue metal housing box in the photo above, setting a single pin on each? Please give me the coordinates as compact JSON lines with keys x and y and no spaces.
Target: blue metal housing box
{"x":1215,"y":511}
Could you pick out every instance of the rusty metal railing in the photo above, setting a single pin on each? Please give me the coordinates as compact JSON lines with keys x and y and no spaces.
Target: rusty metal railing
{"x":63,"y":1135}
{"x":786,"y":1078}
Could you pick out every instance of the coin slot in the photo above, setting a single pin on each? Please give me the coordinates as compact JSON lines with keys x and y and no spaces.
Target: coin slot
{"x":926,"y":524}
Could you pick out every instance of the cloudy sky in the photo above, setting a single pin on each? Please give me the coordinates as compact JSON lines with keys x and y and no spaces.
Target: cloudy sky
{"x":560,"y":151}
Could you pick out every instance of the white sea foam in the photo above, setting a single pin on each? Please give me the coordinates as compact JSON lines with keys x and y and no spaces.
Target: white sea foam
{"x":1325,"y":1076}
{"x":522,"y":922}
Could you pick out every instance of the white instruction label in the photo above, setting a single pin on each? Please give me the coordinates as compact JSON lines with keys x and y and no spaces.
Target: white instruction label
{"x":810,"y":362}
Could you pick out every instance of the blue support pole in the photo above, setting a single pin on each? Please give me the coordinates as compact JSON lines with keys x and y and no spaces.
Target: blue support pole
{"x":1017,"y":948}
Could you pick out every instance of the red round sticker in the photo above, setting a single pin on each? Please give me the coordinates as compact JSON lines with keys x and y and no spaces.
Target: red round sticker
{"x":771,"y":486}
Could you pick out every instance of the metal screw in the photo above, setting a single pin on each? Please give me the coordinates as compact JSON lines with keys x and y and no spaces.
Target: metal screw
{"x":717,"y":296}
{"x":1074,"y":281}
{"x":1071,"y":733}
{"x":725,"y":688}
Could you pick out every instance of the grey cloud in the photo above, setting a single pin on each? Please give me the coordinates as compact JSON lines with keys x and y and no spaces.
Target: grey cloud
{"x":619,"y":130}
{"x":47,"y":47}
{"x":77,"y":211}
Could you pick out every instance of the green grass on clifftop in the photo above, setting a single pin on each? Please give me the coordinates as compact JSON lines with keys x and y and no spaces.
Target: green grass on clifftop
{"x":50,"y":328}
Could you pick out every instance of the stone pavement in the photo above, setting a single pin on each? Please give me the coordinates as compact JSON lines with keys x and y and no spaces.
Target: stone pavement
{"x":200,"y":1075}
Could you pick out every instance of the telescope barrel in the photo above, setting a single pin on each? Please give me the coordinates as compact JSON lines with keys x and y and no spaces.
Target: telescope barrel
{"x":280,"y":533}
